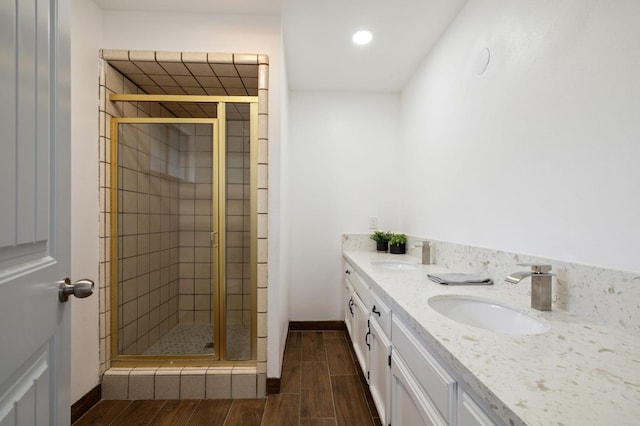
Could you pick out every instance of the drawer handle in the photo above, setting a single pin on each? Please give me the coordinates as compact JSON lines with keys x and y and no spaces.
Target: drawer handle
{"x":375,"y":311}
{"x":366,"y":339}
{"x":348,"y":272}
{"x":351,"y":306}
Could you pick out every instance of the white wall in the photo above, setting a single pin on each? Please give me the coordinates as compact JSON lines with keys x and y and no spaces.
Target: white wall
{"x":85,"y":42}
{"x":94,"y":29}
{"x":538,"y":155}
{"x":278,"y":302}
{"x":342,"y":167}
{"x":227,"y":34}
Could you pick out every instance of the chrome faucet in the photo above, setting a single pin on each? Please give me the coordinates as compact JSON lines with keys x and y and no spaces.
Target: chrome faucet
{"x":540,"y":284}
{"x":426,"y":252}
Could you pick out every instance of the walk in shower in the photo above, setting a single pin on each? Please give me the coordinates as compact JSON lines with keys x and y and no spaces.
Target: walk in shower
{"x":180,"y":147}
{"x":183,"y":160}
{"x":185,"y":234}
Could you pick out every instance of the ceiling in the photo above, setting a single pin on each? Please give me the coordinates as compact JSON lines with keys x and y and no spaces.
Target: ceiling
{"x":317,"y":36}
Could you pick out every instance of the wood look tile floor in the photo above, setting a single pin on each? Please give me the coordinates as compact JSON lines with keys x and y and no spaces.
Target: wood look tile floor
{"x":320,"y":386}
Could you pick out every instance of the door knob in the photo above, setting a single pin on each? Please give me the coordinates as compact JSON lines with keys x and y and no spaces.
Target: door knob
{"x":80,"y":289}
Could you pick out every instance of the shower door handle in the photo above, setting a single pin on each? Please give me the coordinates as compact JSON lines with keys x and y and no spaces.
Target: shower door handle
{"x":80,"y":289}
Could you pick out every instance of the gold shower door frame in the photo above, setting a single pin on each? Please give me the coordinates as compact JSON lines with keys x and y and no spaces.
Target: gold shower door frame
{"x":219,"y":229}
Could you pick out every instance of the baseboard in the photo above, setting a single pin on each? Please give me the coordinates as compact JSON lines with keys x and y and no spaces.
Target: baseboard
{"x":317,"y":325}
{"x":85,"y":403}
{"x":273,"y":385}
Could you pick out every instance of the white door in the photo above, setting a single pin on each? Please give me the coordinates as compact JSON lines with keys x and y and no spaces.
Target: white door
{"x":34,"y":212}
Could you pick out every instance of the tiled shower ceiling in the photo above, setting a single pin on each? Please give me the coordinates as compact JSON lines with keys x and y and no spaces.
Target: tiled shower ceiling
{"x":187,"y":73}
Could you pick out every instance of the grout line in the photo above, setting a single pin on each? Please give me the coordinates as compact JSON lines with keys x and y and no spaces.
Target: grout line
{"x":359,"y":378}
{"x":333,"y":399}
{"x":195,"y":408}
{"x":123,"y":410}
{"x":229,"y":412}
{"x":266,"y":404}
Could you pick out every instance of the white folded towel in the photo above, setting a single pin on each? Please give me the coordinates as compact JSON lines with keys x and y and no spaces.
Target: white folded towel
{"x":460,"y":279}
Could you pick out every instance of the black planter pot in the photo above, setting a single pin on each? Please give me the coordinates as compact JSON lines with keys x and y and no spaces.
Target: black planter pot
{"x":382,"y":246}
{"x":398,"y":248}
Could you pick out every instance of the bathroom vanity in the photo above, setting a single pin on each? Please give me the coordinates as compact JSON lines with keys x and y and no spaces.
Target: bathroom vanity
{"x":424,"y":368}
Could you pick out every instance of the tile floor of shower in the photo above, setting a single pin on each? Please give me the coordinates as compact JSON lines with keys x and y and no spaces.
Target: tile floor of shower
{"x":186,"y":339}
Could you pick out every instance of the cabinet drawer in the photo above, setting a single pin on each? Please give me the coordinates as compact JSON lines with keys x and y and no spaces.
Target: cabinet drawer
{"x":380,"y":313}
{"x":437,"y":383}
{"x":358,"y":284}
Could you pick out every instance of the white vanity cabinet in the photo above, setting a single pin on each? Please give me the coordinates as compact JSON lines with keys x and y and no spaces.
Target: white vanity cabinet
{"x":409,"y":403}
{"x":409,"y":385}
{"x":424,"y":386}
{"x":357,"y":315}
{"x":470,"y":413}
{"x":380,"y":356}
{"x":360,"y":332}
{"x":348,"y":307}
{"x":418,"y":376}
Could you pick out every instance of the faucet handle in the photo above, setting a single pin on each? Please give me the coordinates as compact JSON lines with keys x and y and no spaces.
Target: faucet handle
{"x":537,"y":268}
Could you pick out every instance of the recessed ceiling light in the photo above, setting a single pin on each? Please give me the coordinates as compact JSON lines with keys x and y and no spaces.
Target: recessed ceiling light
{"x":362,"y":37}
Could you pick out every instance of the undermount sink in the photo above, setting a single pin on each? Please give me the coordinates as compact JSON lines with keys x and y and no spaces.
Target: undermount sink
{"x":395,"y":266}
{"x":488,"y":314}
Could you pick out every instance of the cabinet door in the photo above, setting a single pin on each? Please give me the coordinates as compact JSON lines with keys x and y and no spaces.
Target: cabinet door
{"x":430,"y":374}
{"x":409,"y":404}
{"x":471,"y":414}
{"x":379,"y":369}
{"x":348,"y":307}
{"x":360,"y":336}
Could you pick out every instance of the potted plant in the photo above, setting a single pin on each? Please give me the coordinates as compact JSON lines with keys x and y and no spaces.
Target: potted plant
{"x":398,"y":243}
{"x":382,"y":240}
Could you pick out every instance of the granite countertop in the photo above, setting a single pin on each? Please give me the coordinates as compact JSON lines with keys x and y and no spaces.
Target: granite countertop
{"x":578,"y":373}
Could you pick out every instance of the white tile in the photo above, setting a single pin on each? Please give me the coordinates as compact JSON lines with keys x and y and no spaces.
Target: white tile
{"x":167,"y":385}
{"x":192,"y":384}
{"x":262,"y":385}
{"x":114,"y":55}
{"x":218,"y":383}
{"x":245,"y":59}
{"x":262,"y":299}
{"x":263,"y":77}
{"x":141,"y":384}
{"x":115,"y":383}
{"x":220,"y":58}
{"x":243,"y":386}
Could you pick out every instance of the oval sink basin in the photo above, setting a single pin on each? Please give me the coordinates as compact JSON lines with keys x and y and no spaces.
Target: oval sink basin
{"x":488,"y":314}
{"x":395,"y":266}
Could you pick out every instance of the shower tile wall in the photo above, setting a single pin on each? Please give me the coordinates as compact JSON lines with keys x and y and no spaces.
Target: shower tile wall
{"x":148,"y":173}
{"x":196,"y":192}
{"x":111,"y":81}
{"x":238,"y":224}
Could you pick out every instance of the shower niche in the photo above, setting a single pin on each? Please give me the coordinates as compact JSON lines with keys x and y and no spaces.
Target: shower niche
{"x":181,"y":203}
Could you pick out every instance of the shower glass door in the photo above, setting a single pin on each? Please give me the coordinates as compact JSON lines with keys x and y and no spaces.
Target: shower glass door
{"x":166,"y":222}
{"x":239,"y":289}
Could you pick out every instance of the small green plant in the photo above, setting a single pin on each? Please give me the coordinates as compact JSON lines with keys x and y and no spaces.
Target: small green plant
{"x":381,"y":236}
{"x":397,"y":239}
